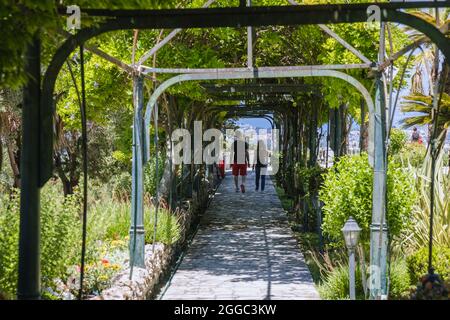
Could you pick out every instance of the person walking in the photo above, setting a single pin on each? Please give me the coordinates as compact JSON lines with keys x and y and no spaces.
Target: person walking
{"x":415,"y":137}
{"x":240,"y":156}
{"x":261,"y":162}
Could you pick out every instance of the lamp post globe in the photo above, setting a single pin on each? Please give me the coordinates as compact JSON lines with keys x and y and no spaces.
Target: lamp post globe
{"x":351,"y":232}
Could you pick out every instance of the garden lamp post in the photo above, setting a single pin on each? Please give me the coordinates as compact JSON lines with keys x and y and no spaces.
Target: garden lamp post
{"x":351,"y":232}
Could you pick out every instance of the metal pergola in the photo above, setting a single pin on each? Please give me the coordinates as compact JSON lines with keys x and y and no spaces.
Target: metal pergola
{"x":38,"y":102}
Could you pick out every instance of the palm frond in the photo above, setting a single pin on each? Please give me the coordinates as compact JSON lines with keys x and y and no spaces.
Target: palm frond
{"x":444,"y":21}
{"x":417,"y":236}
{"x":422,"y":104}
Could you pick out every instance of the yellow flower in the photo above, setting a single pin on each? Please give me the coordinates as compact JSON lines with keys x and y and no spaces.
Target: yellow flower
{"x":115,"y":267}
{"x":103,"y":278}
{"x":117,"y":243}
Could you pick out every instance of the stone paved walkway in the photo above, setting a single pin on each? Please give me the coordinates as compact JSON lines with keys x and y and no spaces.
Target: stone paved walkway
{"x":244,"y":249}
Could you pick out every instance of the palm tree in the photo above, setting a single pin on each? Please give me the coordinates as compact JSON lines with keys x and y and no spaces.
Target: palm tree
{"x":418,"y":101}
{"x":426,"y":59}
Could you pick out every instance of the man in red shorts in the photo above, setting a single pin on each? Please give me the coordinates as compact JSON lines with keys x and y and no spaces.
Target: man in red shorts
{"x":240,"y":158}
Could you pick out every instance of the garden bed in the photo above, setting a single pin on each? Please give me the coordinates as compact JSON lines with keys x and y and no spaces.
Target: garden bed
{"x":144,"y":280}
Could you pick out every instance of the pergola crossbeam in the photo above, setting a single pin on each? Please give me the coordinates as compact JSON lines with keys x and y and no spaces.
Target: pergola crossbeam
{"x":147,"y":70}
{"x":258,"y":87}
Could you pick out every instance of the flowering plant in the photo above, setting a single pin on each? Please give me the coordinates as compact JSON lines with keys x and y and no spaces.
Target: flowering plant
{"x":97,"y":277}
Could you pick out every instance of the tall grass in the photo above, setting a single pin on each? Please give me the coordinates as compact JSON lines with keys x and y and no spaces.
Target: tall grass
{"x":336,"y":284}
{"x":417,"y":236}
{"x":110,"y":220}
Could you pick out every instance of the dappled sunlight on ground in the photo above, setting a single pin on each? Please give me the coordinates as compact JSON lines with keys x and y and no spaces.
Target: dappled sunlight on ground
{"x":244,"y":250}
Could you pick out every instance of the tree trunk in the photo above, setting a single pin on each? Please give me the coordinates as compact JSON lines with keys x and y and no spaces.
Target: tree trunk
{"x":313,"y":134}
{"x":363,"y":131}
{"x":67,"y":188}
{"x":68,"y":173}
{"x":14,"y":160}
{"x":344,"y":129}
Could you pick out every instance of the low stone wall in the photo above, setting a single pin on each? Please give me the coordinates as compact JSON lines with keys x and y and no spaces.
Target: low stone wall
{"x":145,"y":280}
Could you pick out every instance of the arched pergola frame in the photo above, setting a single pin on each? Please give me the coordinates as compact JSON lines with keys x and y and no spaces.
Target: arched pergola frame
{"x":39,"y":104}
{"x":253,"y":74}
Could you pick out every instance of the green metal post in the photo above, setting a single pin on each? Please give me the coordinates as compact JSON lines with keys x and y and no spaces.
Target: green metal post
{"x":29,"y":237}
{"x":378,"y":228}
{"x":137,"y":236}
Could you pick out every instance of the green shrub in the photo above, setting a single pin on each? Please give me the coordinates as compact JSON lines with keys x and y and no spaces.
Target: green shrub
{"x":309,"y":178}
{"x":59,"y":236}
{"x":151,"y":174}
{"x":121,"y":186}
{"x":121,"y":183}
{"x":412,"y":153}
{"x":399,"y":285}
{"x":60,"y":233}
{"x":418,"y":263}
{"x":168,"y":228}
{"x":335,"y":280}
{"x":9,"y":239}
{"x":417,"y":235}
{"x":398,"y":140}
{"x":347,"y":191}
{"x":308,"y":182}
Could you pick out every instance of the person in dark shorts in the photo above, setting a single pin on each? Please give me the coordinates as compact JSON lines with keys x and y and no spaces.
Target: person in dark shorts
{"x":261,"y":161}
{"x":240,"y":158}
